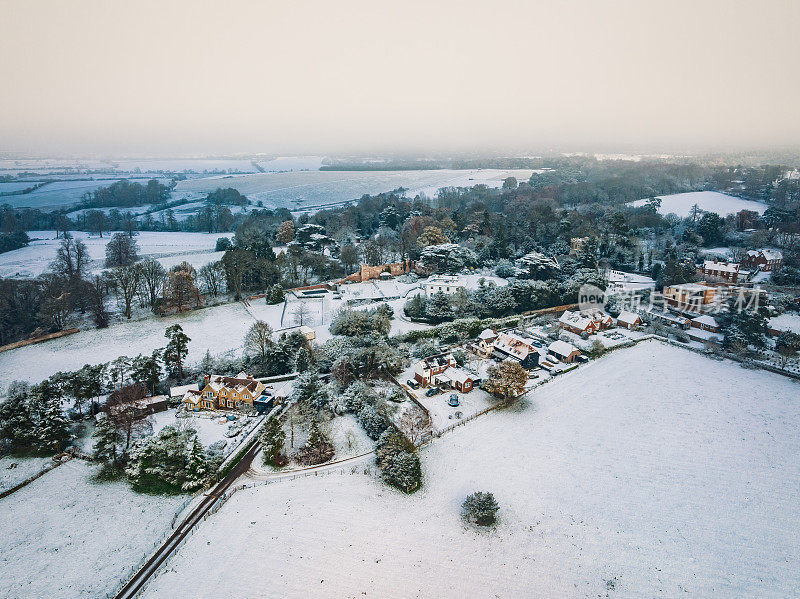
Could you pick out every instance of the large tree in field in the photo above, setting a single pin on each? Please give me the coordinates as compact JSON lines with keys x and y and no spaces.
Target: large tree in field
{"x":180,"y":291}
{"x":285,"y":232}
{"x":72,"y":259}
{"x":125,"y":282}
{"x":506,"y":381}
{"x":258,"y":340}
{"x":177,"y":348}
{"x":153,"y":277}
{"x":121,"y":251}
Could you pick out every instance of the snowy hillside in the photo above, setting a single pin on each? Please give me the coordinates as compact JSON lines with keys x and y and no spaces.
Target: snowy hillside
{"x":604,"y":480}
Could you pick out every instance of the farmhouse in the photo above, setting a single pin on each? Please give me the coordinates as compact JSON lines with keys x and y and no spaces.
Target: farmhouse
{"x":629,"y":320}
{"x":723,"y":271}
{"x":447,"y":284}
{"x":585,"y":322}
{"x":518,"y":348}
{"x":765,"y":260}
{"x":563,"y":351}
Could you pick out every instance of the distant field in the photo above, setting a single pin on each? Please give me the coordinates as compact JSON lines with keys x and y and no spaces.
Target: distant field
{"x":15,"y":186}
{"x":708,"y":201}
{"x":170,"y":248}
{"x":309,"y":188}
{"x":58,"y":194}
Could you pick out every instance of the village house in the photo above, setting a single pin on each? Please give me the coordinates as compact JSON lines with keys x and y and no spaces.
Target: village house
{"x":443,"y":370}
{"x":563,"y":351}
{"x":665,"y":318}
{"x":225,"y":392}
{"x":510,"y":345}
{"x":576,"y":245}
{"x":689,"y":296}
{"x":483,"y":346}
{"x":722,"y":271}
{"x":426,"y":369}
{"x":765,"y":260}
{"x":629,"y":320}
{"x":585,"y":322}
{"x":705,"y":323}
{"x":447,"y":284}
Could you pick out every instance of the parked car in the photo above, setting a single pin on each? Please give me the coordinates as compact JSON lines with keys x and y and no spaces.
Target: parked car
{"x":432,"y":391}
{"x":453,"y":402}
{"x":412,"y":384}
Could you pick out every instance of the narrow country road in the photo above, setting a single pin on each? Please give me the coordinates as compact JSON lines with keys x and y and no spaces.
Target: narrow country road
{"x":137,"y":582}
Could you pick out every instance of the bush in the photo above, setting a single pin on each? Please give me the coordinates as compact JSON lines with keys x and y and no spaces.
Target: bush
{"x":223,"y":244}
{"x":398,"y":462}
{"x":480,"y":508}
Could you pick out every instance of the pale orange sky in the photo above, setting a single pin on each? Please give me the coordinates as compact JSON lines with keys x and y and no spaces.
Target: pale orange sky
{"x":318,"y":77}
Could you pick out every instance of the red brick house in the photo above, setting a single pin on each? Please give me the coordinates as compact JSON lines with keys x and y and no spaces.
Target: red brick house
{"x":766,"y":260}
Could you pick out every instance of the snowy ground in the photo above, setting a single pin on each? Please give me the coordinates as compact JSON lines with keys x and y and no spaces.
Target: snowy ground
{"x":65,"y":535}
{"x":219,"y":329}
{"x":789,"y":321}
{"x":709,"y":201}
{"x":300,"y":189}
{"x":170,"y":248}
{"x":208,"y":426}
{"x":25,"y":468}
{"x":683,"y":488}
{"x":609,"y":338}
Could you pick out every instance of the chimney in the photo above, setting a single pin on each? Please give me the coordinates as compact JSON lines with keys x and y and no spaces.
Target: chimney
{"x":206,"y":379}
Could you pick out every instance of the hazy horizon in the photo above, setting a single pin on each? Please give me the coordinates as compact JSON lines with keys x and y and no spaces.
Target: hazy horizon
{"x":97,"y":78}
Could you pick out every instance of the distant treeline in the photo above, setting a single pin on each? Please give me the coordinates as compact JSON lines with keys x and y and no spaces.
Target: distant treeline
{"x":124,"y":194}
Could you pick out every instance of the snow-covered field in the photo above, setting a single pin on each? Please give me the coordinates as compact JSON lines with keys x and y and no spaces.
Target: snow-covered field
{"x":708,"y":201}
{"x":11,"y":474}
{"x":789,"y":321}
{"x":59,"y":194}
{"x":687,"y":487}
{"x":170,"y":248}
{"x":219,"y":329}
{"x":311,"y":188}
{"x":66,"y":536}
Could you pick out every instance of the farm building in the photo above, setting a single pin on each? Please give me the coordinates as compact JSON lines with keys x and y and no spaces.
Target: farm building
{"x":563,"y":351}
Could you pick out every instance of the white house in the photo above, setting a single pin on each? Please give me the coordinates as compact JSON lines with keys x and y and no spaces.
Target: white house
{"x":447,"y":284}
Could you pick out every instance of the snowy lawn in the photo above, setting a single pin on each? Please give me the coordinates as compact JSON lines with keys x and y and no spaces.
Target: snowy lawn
{"x":708,"y":201}
{"x":207,"y":424}
{"x":685,"y":487}
{"x":33,"y":260}
{"x":219,"y":329}
{"x":66,"y":536}
{"x":14,"y":470}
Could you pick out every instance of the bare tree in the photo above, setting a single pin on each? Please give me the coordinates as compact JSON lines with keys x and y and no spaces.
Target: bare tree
{"x":125,"y":281}
{"x":124,"y":410}
{"x":213,"y":276}
{"x":301,"y":314}
{"x":258,"y":339}
{"x":414,"y":423}
{"x":180,"y":291}
{"x":153,"y":277}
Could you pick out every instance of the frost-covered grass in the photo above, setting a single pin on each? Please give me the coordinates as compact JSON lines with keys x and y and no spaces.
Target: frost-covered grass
{"x":11,"y":474}
{"x":65,"y":535}
{"x":169,"y":248}
{"x":671,"y":473}
{"x":219,"y":329}
{"x":708,"y":201}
